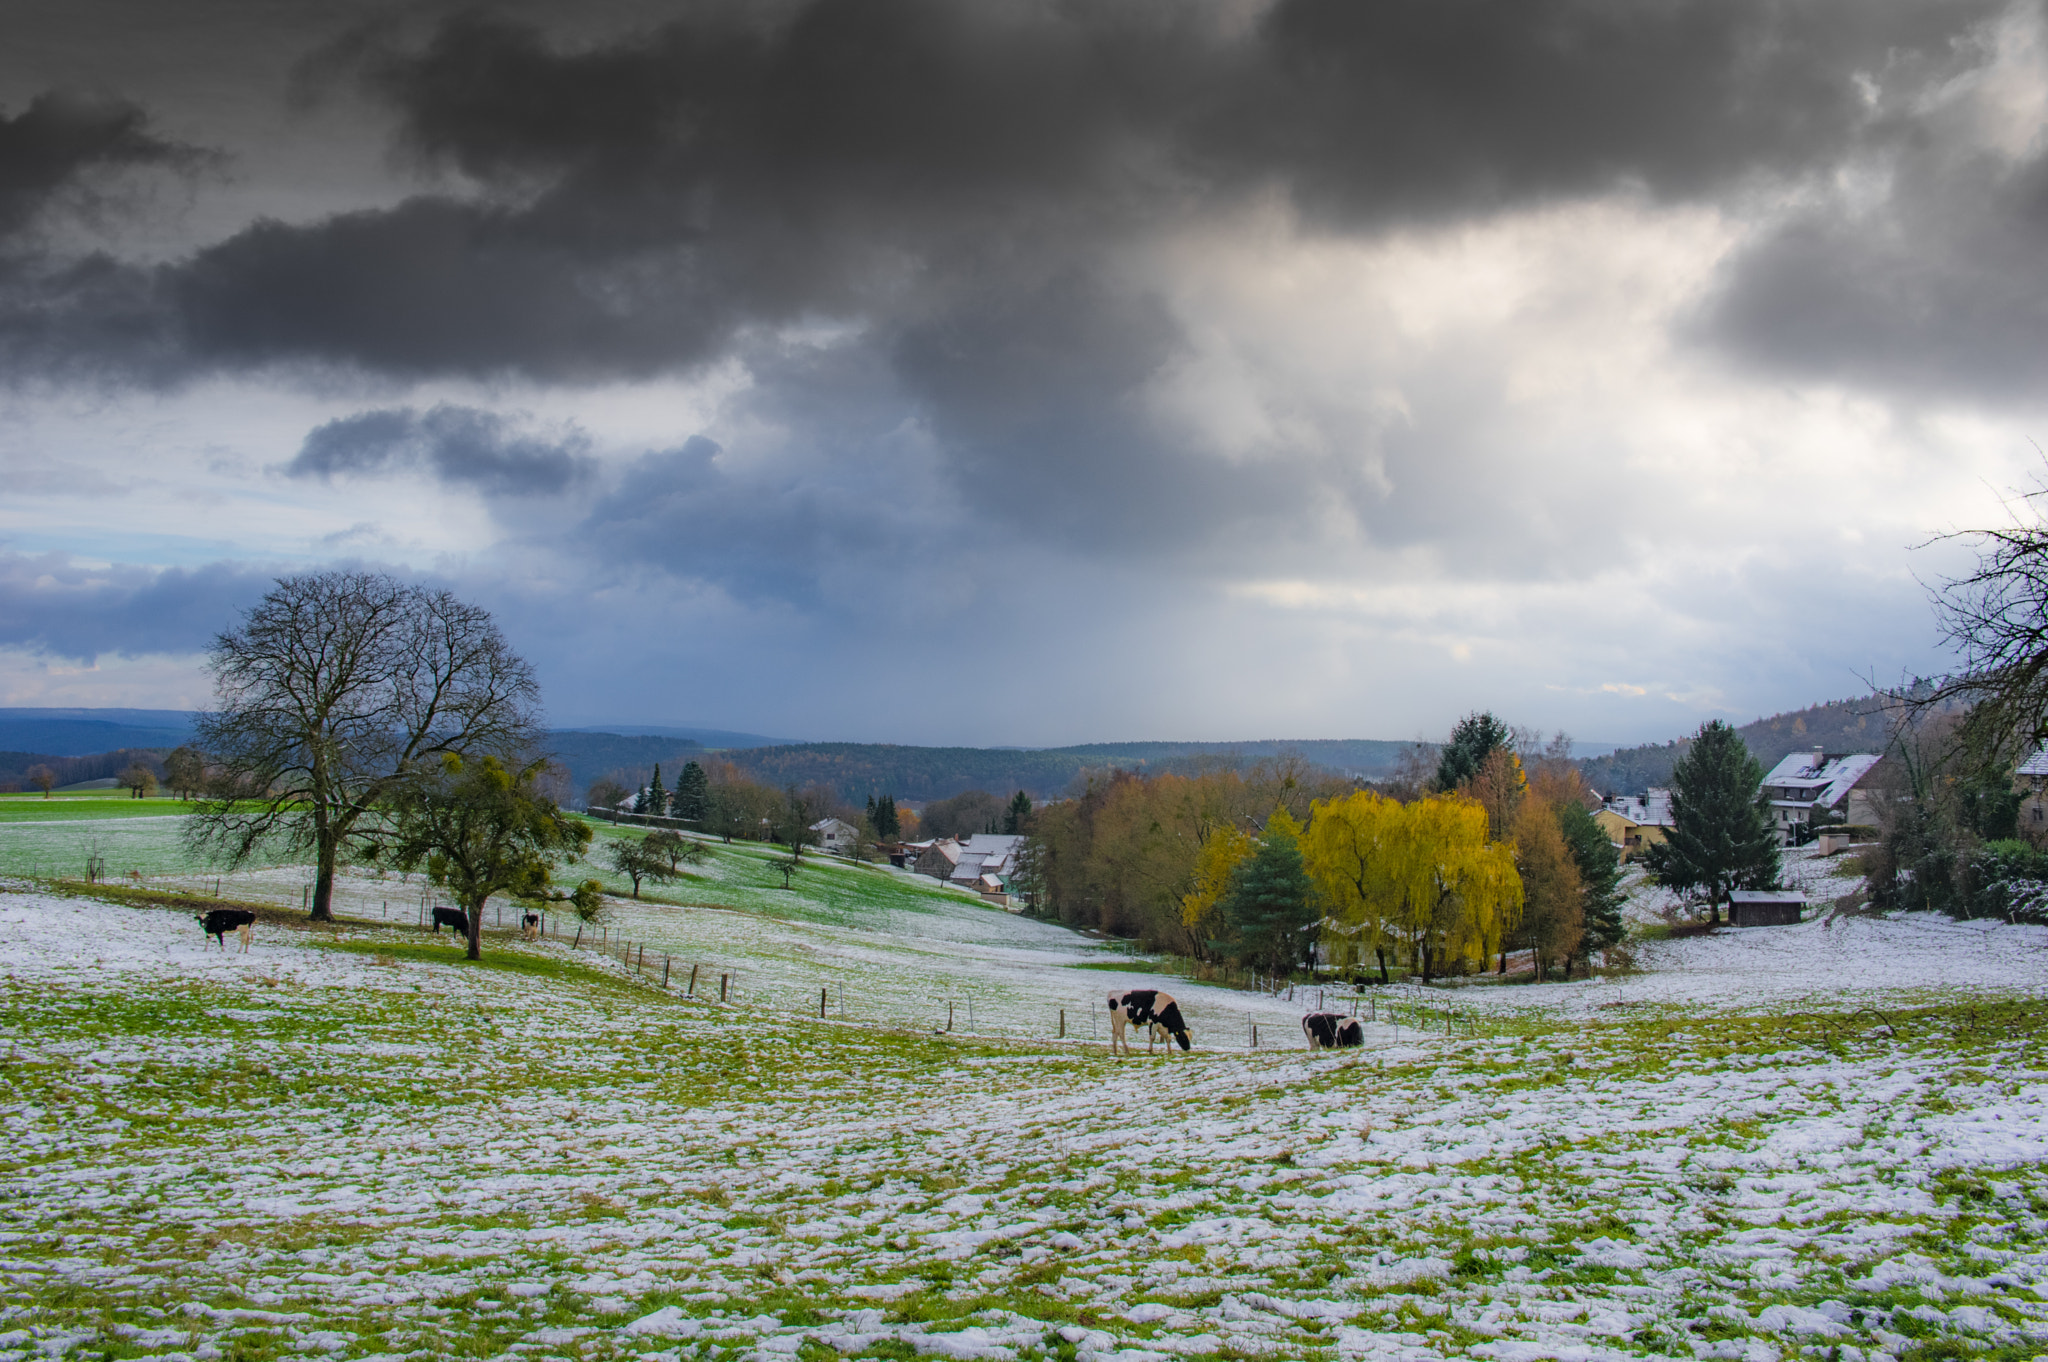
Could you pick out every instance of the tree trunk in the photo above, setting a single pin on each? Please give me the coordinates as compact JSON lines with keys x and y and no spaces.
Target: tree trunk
{"x":1381,"y":952}
{"x":323,"y":878}
{"x":476,"y":928}
{"x":1428,"y":957}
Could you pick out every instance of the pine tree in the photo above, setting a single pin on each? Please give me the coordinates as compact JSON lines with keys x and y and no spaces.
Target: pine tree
{"x":1018,"y":814}
{"x":692,"y":799}
{"x":1473,"y":739}
{"x":887,"y":825}
{"x":655,"y":801}
{"x":1721,"y":838}
{"x":1270,"y":903}
{"x":1599,"y":861}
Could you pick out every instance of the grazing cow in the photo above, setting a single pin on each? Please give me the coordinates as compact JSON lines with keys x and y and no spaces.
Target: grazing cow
{"x":220,"y":921}
{"x":451,"y":917}
{"x":529,"y":926}
{"x":1157,"y":1012}
{"x":1332,"y":1031}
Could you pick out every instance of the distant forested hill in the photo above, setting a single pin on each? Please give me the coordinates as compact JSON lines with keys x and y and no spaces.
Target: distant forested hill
{"x":857,"y":770}
{"x":1839,"y":726}
{"x":81,"y":732}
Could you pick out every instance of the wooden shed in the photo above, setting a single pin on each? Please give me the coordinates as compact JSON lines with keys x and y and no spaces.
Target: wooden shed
{"x":1765,"y":907}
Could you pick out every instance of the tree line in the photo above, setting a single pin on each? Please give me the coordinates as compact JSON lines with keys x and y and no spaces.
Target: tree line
{"x":1282,"y":865}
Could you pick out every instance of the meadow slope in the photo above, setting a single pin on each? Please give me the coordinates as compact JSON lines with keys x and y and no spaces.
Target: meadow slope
{"x":350,"y":1144}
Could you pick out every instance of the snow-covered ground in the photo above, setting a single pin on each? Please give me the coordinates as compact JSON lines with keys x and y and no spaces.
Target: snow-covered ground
{"x":344,"y":1144}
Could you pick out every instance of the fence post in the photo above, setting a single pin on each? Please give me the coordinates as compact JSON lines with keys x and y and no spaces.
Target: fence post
{"x":1063,"y":1023}
{"x":821,"y":1004}
{"x":693,"y":981}
{"x":949,"y":1016}
{"x":664,"y":971}
{"x":723,"y":979}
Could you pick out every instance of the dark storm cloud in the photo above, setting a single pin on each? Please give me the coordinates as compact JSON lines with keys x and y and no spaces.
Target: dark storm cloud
{"x":455,"y":444}
{"x":52,"y":603}
{"x":638,"y":204}
{"x":62,"y":140}
{"x":1935,"y":290}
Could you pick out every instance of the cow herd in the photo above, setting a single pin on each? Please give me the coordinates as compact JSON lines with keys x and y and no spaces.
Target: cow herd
{"x":1144,"y":1009}
{"x":1158,"y":1015}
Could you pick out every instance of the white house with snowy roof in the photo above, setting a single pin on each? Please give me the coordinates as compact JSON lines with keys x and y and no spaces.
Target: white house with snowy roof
{"x":2030,"y":782}
{"x":836,"y":835}
{"x":1815,"y":788}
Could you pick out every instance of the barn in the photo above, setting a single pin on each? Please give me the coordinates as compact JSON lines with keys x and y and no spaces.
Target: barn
{"x":1765,"y":907}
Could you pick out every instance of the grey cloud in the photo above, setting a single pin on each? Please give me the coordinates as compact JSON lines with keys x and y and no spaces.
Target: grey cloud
{"x":641,"y":202}
{"x":1937,"y":290}
{"x":61,"y":139}
{"x":458,"y":445}
{"x":50,"y":602}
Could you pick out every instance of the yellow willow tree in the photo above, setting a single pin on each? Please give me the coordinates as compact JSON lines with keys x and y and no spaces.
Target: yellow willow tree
{"x":1460,"y":890}
{"x":1346,"y":856}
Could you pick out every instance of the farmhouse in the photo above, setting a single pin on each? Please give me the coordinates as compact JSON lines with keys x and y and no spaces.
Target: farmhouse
{"x":836,"y":835}
{"x":1810,"y":789}
{"x":1632,"y":823}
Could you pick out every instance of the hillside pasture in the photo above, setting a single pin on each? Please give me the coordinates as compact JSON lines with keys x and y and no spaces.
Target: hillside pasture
{"x":346,"y":1144}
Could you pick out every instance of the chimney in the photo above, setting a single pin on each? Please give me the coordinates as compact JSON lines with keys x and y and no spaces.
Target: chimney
{"x":1820,"y":757}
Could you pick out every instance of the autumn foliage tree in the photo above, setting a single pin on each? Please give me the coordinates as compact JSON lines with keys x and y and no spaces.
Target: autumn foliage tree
{"x":1422,"y":879}
{"x":1553,"y":895}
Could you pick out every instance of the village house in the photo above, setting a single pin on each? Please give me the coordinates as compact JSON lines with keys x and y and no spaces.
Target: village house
{"x":836,"y":835}
{"x":982,"y":862}
{"x":2030,"y":783}
{"x":1633,"y":823}
{"x":1812,"y":789}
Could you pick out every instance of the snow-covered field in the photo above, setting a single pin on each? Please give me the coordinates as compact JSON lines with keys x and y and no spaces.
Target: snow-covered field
{"x":349,"y":1144}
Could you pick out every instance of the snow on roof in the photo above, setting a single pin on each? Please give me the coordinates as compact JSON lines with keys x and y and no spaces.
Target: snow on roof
{"x":968,"y":867}
{"x":2036,"y":765}
{"x":824,"y":824}
{"x":1653,"y":809}
{"x":995,"y":843}
{"x":1766,"y":896}
{"x":1826,"y":782}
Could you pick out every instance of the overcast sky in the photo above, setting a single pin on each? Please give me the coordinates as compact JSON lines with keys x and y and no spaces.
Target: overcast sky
{"x":1027,"y":373}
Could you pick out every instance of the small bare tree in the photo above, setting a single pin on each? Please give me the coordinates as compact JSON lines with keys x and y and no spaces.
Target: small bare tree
{"x":138,"y":780}
{"x":1996,"y":619}
{"x":43,"y":778}
{"x":335,"y":689}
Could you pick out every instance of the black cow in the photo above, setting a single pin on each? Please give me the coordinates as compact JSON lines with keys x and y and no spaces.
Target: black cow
{"x":1332,"y":1031}
{"x":218,"y":922}
{"x":1149,"y":1008}
{"x":451,"y":917}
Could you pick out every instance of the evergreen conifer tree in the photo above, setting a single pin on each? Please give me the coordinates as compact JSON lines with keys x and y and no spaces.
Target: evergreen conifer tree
{"x":1473,"y":739}
{"x":1599,"y":862}
{"x":887,"y":825}
{"x":1269,"y":905}
{"x":1721,"y":838}
{"x":692,"y":799}
{"x":1018,"y":814}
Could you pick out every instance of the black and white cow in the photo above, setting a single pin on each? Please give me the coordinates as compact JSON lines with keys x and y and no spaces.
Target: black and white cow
{"x":218,"y":922}
{"x":1157,"y":1012}
{"x":1332,"y":1031}
{"x":451,"y":917}
{"x":529,"y":926}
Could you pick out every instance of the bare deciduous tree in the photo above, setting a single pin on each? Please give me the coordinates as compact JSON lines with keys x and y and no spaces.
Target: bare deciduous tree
{"x":1996,"y":619}
{"x":333,"y":690}
{"x":43,"y":778}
